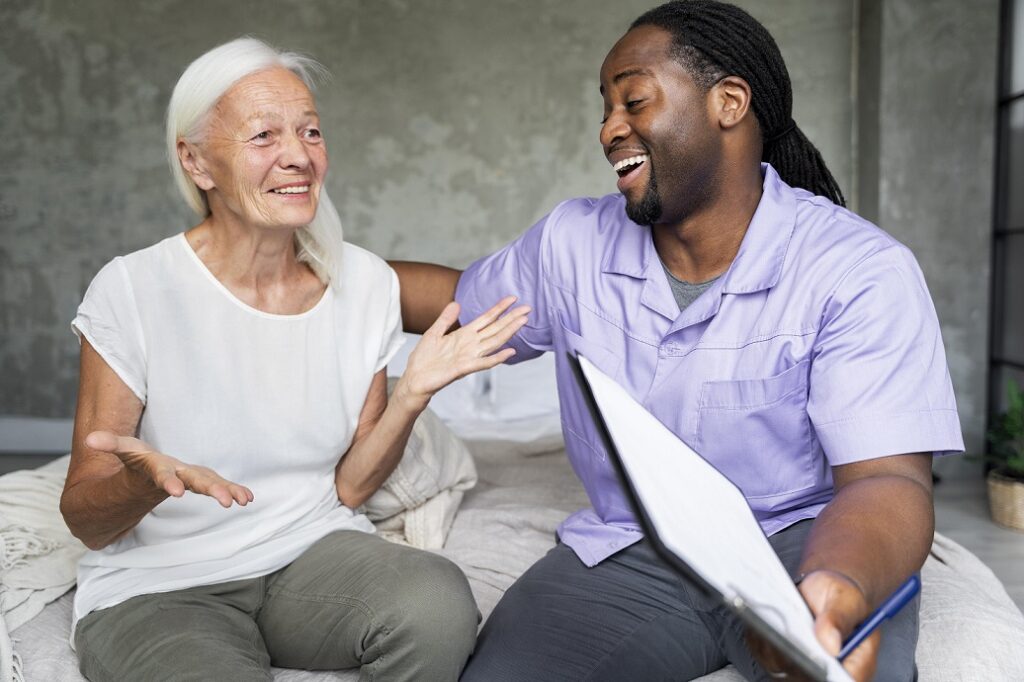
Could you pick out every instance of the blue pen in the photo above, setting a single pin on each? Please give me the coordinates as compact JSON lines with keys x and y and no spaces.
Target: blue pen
{"x":889,"y":608}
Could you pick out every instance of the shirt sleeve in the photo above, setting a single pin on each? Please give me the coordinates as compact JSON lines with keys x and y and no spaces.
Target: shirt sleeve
{"x":108,"y":318}
{"x":879,"y":383}
{"x":393,"y":338}
{"x":516,"y":270}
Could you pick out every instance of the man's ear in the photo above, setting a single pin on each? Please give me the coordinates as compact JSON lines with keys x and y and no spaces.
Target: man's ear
{"x":191,"y":161}
{"x":731,"y":98}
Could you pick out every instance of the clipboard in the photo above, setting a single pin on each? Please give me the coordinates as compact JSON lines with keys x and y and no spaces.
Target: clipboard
{"x":745,"y":609}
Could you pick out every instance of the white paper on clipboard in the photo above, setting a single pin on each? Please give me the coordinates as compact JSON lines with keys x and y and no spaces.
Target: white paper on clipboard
{"x":703,"y":518}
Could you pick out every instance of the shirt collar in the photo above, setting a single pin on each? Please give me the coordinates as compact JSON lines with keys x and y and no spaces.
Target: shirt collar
{"x":758,"y":264}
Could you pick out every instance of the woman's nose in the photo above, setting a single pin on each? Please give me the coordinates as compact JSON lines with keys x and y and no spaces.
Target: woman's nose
{"x":294,"y":153}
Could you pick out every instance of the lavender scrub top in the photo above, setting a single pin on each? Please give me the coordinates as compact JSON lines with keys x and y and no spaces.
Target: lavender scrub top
{"x":817,"y":348}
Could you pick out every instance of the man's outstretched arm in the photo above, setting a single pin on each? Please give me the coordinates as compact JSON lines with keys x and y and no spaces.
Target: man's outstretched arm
{"x":426,"y":289}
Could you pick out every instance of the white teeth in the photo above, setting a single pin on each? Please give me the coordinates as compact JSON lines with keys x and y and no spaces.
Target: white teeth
{"x":292,"y":190}
{"x":631,"y":161}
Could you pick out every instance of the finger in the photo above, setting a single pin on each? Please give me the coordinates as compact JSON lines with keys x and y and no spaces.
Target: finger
{"x":769,"y":657}
{"x":220,"y":492}
{"x":240,"y":494}
{"x":863,"y":660}
{"x":498,"y":325}
{"x":204,"y":481}
{"x":106,"y":441}
{"x":828,"y":634}
{"x":493,"y":360}
{"x":169,"y":482}
{"x":498,"y":334}
{"x":492,"y":314}
{"x":444,"y":321}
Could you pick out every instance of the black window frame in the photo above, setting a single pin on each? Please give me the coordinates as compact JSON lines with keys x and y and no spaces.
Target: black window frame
{"x":1002,"y":231}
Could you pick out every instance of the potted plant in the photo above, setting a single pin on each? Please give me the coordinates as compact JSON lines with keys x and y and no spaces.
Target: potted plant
{"x":1006,"y":455}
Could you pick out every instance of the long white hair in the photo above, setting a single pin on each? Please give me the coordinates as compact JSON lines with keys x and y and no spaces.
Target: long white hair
{"x":200,"y":87}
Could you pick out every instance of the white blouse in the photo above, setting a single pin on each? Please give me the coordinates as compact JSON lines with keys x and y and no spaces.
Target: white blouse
{"x":267,"y":401}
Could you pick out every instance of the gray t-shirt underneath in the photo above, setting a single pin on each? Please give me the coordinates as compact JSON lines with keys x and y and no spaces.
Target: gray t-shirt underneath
{"x":686,"y":293}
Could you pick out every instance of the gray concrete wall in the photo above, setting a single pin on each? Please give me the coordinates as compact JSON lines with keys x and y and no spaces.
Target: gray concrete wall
{"x":452,"y":126}
{"x":936,"y":169}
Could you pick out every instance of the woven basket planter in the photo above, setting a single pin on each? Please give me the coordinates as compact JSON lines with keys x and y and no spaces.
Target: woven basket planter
{"x":1006,"y":501}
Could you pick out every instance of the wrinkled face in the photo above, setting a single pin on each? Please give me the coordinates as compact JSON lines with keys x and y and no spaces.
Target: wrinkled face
{"x":657,"y":132}
{"x":262,"y":157}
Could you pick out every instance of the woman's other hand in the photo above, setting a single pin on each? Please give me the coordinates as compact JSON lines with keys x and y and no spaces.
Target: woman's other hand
{"x":441,"y":356}
{"x":167,"y":473}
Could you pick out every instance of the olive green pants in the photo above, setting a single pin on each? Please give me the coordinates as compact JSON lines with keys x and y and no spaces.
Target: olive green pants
{"x":351,"y":600}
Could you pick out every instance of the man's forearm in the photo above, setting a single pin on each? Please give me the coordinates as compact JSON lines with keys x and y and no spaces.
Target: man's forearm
{"x":876,"y":532}
{"x":426,"y":289}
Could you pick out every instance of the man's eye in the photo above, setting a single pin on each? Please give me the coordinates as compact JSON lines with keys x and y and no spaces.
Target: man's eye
{"x":261,"y":137}
{"x":313,"y":134}
{"x":634,"y":103}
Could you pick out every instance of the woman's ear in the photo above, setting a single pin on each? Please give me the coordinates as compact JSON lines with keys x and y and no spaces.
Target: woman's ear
{"x":731,"y":97}
{"x":191,"y":161}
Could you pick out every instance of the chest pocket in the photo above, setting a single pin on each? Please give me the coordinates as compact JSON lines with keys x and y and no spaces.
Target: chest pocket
{"x":604,"y":359}
{"x":757,"y":432}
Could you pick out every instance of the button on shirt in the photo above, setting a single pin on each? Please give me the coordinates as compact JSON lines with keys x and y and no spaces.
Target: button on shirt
{"x":818,"y":347}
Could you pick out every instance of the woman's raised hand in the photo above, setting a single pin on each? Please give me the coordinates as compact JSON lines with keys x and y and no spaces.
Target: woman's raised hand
{"x":167,"y":473}
{"x":441,"y":356}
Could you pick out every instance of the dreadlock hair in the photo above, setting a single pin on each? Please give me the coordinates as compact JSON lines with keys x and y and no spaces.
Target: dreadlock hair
{"x":713,"y":40}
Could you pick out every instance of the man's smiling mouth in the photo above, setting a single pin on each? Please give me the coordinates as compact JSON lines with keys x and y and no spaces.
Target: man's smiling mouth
{"x":625,"y":166}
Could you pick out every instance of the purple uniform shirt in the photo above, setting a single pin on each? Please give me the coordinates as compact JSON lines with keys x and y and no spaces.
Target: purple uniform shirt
{"x":818,"y":347}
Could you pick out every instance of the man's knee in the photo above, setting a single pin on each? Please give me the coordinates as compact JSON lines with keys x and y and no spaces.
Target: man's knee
{"x":896,"y":660}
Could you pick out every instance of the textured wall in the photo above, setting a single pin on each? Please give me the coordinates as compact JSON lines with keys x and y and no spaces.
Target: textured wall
{"x":452,"y":126}
{"x":935,"y":168}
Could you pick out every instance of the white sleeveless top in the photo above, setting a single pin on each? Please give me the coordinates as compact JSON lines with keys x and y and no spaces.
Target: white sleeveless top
{"x":268,"y":401}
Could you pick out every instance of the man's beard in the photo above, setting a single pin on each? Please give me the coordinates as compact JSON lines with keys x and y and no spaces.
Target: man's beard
{"x":648,"y":209}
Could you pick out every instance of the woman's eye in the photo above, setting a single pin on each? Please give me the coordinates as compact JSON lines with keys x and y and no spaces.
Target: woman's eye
{"x":313,"y":134}
{"x":633,"y":103}
{"x":261,"y":137}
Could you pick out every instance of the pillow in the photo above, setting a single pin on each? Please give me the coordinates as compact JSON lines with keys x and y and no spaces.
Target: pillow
{"x":417,"y":503}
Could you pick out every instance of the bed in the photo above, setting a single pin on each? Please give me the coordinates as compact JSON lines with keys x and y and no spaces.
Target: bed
{"x":497,"y":514}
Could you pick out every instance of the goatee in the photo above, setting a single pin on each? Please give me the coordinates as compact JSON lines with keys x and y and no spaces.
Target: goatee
{"x":648,"y":209}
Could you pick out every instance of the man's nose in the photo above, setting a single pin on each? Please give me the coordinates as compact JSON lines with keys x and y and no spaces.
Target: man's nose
{"x":614,"y":129}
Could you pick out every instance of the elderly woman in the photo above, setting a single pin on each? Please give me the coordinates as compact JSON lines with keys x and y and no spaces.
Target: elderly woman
{"x":244,"y":361}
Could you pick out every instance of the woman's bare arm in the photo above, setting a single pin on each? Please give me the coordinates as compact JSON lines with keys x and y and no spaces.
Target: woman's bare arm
{"x":114,"y":479}
{"x":438,"y":359}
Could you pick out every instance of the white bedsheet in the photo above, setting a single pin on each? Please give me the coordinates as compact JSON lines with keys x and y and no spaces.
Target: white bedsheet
{"x":970,"y":629}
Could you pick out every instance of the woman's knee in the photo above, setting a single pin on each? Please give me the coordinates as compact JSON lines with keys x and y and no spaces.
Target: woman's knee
{"x":426,"y":628}
{"x":434,"y":605}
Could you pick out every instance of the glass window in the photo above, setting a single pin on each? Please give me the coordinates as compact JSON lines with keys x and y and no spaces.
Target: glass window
{"x":1012,"y":185}
{"x":1015,"y":49}
{"x":1010,"y":342}
{"x":1004,"y":375}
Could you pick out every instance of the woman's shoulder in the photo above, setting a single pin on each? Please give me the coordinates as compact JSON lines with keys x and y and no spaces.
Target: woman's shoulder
{"x":150,"y":261}
{"x":361,"y":265}
{"x":158,"y":255}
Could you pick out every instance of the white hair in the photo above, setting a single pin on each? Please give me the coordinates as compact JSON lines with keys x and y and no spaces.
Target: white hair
{"x":200,"y":87}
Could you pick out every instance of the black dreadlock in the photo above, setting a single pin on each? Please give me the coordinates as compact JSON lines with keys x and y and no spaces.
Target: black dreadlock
{"x":713,"y":40}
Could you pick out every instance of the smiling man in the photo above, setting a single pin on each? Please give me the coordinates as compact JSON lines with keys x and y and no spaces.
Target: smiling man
{"x":790,"y":342}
